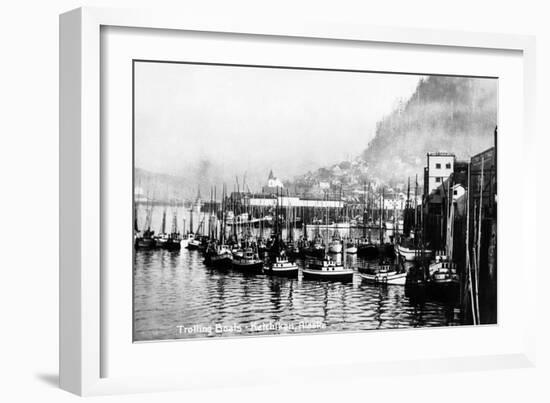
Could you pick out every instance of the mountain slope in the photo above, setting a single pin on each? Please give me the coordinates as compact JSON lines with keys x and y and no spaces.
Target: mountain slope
{"x":452,"y":114}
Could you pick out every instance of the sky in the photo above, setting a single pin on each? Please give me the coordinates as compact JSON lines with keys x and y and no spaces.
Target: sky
{"x":221,"y":121}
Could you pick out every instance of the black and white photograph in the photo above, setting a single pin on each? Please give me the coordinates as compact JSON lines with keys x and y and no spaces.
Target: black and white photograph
{"x":272,"y":200}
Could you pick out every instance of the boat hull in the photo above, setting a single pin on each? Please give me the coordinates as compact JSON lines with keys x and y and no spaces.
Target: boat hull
{"x":248,"y":267}
{"x":367,"y":251}
{"x":385,"y":278}
{"x":221,"y":262}
{"x":446,"y":290}
{"x":145,"y":244}
{"x":314,"y":252}
{"x":171,"y":245}
{"x":410,"y":255}
{"x":193,"y":245}
{"x":337,"y":275}
{"x":291,"y":271}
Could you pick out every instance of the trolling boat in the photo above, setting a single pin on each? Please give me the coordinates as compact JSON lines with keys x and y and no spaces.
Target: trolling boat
{"x":281,"y":266}
{"x":293,"y":250}
{"x":411,"y":253}
{"x":442,"y":273}
{"x":221,"y":255}
{"x":335,"y":245}
{"x":218,"y":256}
{"x":316,"y":248}
{"x":171,"y":241}
{"x":386,"y":249}
{"x":367,"y":249}
{"x":146,"y":240}
{"x":193,"y":242}
{"x":328,"y":268}
{"x":351,"y":248}
{"x":249,"y":261}
{"x":162,"y":236}
{"x":384,"y":273}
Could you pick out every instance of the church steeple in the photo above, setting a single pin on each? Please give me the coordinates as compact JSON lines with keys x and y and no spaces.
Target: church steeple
{"x":271,"y":175}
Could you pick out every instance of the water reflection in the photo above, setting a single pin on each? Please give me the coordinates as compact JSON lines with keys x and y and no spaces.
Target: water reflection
{"x":176,"y":288}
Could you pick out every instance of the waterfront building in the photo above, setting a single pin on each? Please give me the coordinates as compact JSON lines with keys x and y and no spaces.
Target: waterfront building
{"x":268,"y":200}
{"x":439,"y":166}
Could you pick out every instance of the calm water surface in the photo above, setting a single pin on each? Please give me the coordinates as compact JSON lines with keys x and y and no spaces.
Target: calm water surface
{"x":174,"y":289}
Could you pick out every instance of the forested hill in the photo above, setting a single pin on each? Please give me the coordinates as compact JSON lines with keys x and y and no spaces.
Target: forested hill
{"x":451,"y":114}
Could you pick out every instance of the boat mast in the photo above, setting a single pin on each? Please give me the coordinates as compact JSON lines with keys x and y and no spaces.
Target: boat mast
{"x":380,"y":218}
{"x":478,"y":255}
{"x":163,"y":224}
{"x":415,"y":200}
{"x":326,"y":225}
{"x":365,"y":219}
{"x":174,"y":220}
{"x":136,"y":229}
{"x":470,"y":283}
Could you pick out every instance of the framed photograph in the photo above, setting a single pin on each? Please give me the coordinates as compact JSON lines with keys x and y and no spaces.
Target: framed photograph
{"x":264,"y":200}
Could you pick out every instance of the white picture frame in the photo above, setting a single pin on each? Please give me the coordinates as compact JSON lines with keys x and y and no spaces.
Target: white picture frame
{"x":82,"y":307}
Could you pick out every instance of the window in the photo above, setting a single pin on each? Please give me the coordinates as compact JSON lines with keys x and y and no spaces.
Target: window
{"x":437,"y":166}
{"x":448,"y":165}
{"x":438,"y":179}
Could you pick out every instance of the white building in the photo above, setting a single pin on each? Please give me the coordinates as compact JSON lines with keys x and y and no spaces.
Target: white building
{"x":292,"y":201}
{"x":458,"y":191}
{"x":273,"y":182}
{"x":440,"y":166}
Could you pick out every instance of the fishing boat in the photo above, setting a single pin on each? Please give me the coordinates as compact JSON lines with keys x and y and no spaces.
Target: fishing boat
{"x":248,"y":262}
{"x":218,"y":256}
{"x":385,"y":273}
{"x":315,"y":249}
{"x":170,"y":241}
{"x":412,"y":253}
{"x":443,"y":277}
{"x":281,"y":266}
{"x":443,"y":271}
{"x":173,"y":242}
{"x":293,"y":250}
{"x":193,"y":243}
{"x":162,"y":236}
{"x":367,"y":249}
{"x":328,"y":269}
{"x":386,"y":249}
{"x":146,"y":241}
{"x":335,"y":245}
{"x":351,"y":248}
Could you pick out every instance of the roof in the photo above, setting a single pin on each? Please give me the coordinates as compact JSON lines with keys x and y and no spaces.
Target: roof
{"x":440,"y":154}
{"x":488,"y":151}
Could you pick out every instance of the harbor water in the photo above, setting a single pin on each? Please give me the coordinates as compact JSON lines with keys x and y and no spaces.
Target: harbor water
{"x":176,"y":290}
{"x":177,"y":296}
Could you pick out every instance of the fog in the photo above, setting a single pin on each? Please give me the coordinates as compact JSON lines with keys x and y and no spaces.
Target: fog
{"x":207,"y":124}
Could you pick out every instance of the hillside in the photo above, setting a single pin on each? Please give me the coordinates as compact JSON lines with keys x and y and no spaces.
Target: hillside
{"x":452,"y":114}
